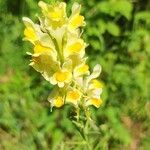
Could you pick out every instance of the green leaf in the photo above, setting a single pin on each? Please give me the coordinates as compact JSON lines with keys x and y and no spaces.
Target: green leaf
{"x":123,"y":7}
{"x":101,"y":26}
{"x":113,"y":29}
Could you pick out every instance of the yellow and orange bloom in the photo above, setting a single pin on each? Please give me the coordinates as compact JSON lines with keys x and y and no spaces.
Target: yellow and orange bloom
{"x":39,"y":48}
{"x":76,"y":20}
{"x":31,"y":30}
{"x":81,"y":70}
{"x":94,"y":101}
{"x":61,"y":77}
{"x":30,"y":34}
{"x":73,"y":97}
{"x":75,"y":46}
{"x":57,"y":101}
{"x":55,"y":14}
{"x":58,"y":54}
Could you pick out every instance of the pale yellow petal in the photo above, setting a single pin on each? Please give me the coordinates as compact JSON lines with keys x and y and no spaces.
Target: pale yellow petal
{"x":95,"y":102}
{"x":76,"y":21}
{"x":74,"y":46}
{"x":45,"y":64}
{"x":61,"y":84}
{"x":62,"y":77}
{"x":96,"y":72}
{"x":80,"y":70}
{"x":73,"y":97}
{"x":58,"y":102}
{"x":95,"y":86}
{"x":39,"y":48}
{"x":53,"y":81}
{"x":55,"y":14}
{"x":30,"y":34}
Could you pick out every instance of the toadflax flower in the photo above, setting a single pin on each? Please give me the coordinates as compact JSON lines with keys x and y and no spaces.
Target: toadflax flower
{"x":61,"y":77}
{"x":59,"y":55}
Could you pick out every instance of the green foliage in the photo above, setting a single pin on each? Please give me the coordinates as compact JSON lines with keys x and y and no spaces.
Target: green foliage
{"x":118,"y":33}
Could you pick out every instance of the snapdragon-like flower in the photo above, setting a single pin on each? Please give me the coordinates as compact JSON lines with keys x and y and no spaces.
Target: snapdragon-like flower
{"x":59,"y":55}
{"x":76,"y":20}
{"x":61,"y":77}
{"x":73,"y":96}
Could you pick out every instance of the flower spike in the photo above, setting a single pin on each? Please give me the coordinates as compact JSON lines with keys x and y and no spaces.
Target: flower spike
{"x":59,"y":55}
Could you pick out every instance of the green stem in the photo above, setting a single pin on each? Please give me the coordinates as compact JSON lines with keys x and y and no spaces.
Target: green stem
{"x":86,"y":136}
{"x":60,"y":55}
{"x":78,"y":114}
{"x":60,"y":52}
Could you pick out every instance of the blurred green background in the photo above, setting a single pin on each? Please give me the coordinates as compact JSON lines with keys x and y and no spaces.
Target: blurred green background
{"x":118,"y":33}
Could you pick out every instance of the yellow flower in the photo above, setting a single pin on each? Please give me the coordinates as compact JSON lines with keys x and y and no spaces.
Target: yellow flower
{"x":57,"y":101}
{"x":76,"y":20}
{"x":61,"y":77}
{"x":94,"y":89}
{"x":58,"y":54}
{"x":55,"y":14}
{"x":45,"y":45}
{"x":39,"y":48}
{"x":81,"y":70}
{"x":77,"y":60}
{"x":30,"y":34}
{"x":74,"y":46}
{"x":73,"y":96}
{"x":95,"y":84}
{"x":45,"y":64}
{"x":94,"y":101}
{"x":31,"y":30}
{"x":96,"y":72}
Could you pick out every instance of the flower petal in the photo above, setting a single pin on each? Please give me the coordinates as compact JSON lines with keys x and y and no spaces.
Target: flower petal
{"x":73,"y":96}
{"x":94,"y":101}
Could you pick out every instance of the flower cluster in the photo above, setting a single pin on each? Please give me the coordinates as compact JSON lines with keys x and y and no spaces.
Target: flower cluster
{"x":59,"y":55}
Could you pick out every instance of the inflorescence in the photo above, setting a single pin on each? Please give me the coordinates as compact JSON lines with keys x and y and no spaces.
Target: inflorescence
{"x":59,"y":55}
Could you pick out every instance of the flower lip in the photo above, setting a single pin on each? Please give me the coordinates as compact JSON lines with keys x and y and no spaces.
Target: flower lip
{"x":61,"y":76}
{"x":77,"y":21}
{"x":95,"y":84}
{"x":95,"y":102}
{"x":76,"y":47}
{"x":55,"y":15}
{"x":30,"y":34}
{"x":39,"y":48}
{"x":81,"y":70}
{"x":73,"y":96}
{"x":58,"y":102}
